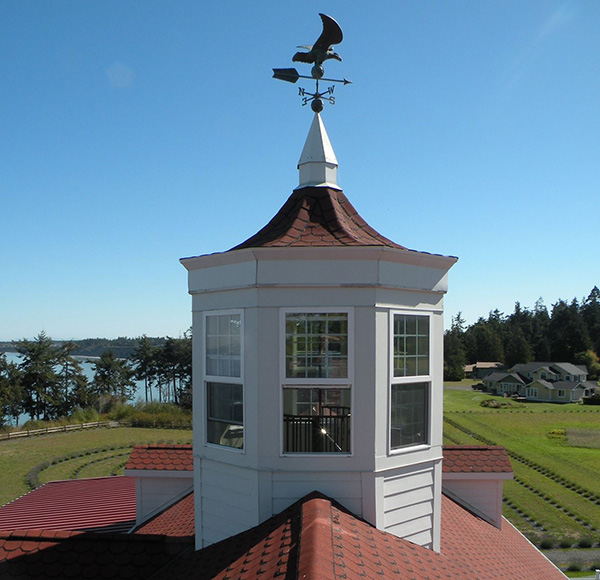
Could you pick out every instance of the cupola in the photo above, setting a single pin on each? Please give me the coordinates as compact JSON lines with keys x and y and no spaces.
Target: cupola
{"x":318,"y":366}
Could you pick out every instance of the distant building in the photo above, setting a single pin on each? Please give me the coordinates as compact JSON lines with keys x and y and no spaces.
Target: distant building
{"x":542,"y":381}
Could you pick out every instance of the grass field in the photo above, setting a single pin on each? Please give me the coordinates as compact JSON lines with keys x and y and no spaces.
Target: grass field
{"x":103,"y":452}
{"x":555,"y":453}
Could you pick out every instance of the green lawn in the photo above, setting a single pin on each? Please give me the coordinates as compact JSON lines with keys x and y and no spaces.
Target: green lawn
{"x":18,"y":457}
{"x":556,"y":476}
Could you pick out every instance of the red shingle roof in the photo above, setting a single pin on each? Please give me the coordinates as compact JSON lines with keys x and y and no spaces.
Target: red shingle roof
{"x":175,"y":521}
{"x":44,"y":554}
{"x":475,"y":459}
{"x":314,"y":538}
{"x":161,"y":458}
{"x":317,"y":216}
{"x":317,"y":538}
{"x":98,"y":504}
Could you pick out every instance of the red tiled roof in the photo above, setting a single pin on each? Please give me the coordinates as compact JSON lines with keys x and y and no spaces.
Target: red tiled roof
{"x":475,"y":459}
{"x":317,"y":538}
{"x":314,"y":538}
{"x":161,"y":458}
{"x":98,"y":504}
{"x":317,"y":216}
{"x":45,"y":554}
{"x":175,"y":521}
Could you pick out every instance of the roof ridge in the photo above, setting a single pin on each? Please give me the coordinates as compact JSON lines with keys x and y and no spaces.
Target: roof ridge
{"x":315,"y":555}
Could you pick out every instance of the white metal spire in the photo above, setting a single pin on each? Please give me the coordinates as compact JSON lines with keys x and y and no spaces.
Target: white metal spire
{"x":318,"y":163}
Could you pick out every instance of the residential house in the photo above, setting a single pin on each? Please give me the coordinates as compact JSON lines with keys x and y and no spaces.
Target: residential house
{"x":542,"y":381}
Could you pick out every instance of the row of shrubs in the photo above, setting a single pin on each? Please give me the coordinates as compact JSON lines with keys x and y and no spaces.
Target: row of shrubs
{"x":138,"y":415}
{"x":556,"y":477}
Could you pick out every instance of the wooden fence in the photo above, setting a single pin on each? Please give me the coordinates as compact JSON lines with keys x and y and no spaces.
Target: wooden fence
{"x":60,"y":429}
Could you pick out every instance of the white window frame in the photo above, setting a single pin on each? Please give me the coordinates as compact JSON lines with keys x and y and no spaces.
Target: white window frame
{"x":408,"y":380}
{"x":206,"y":378}
{"x":317,"y":382}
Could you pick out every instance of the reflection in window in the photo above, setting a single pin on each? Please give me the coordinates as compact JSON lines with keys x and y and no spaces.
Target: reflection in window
{"x":223,"y":345}
{"x":409,"y":414}
{"x":316,"y":345}
{"x":225,"y":414}
{"x":316,"y":420}
{"x":411,"y":345}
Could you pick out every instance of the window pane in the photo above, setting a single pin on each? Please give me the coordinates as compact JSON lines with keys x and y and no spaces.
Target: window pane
{"x":316,"y":420}
{"x":316,"y":345}
{"x":225,"y":414}
{"x":409,"y":414}
{"x":224,"y":345}
{"x":411,"y":345}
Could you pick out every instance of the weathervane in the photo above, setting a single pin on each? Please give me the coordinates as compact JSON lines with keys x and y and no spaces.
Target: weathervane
{"x":317,"y":54}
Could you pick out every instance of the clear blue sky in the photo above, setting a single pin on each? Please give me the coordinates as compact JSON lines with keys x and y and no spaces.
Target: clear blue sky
{"x":134,"y":133}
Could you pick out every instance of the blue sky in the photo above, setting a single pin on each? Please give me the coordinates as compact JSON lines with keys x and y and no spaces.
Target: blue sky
{"x":135,"y":133}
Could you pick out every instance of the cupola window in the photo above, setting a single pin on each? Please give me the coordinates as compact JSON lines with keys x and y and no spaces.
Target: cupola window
{"x":223,"y":379}
{"x":409,"y":398}
{"x":317,"y":395}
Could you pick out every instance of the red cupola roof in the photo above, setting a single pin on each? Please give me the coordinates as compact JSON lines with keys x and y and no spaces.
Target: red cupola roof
{"x":317,"y":216}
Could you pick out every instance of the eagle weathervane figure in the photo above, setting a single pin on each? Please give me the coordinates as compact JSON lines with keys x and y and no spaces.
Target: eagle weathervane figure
{"x":317,"y":54}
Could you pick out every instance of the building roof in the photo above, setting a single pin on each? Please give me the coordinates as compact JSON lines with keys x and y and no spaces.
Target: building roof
{"x":319,"y":539}
{"x":175,"y":521}
{"x":475,"y":459}
{"x":44,"y":554}
{"x":503,"y":377}
{"x":317,"y":216}
{"x":161,"y":458}
{"x":314,"y":538}
{"x":105,"y":504}
{"x":570,"y":368}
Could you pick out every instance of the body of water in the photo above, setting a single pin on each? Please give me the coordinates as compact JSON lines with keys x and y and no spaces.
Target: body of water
{"x":88,"y":369}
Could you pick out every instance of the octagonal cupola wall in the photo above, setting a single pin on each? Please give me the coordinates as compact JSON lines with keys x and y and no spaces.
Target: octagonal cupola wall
{"x":318,"y":366}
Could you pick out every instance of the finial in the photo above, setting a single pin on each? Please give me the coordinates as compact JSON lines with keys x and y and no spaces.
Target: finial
{"x":317,"y":54}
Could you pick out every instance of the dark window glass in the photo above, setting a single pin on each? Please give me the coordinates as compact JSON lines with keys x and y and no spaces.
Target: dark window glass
{"x":409,"y":414}
{"x":225,"y":414}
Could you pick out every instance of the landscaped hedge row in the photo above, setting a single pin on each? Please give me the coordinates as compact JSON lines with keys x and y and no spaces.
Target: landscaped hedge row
{"x":32,"y":476}
{"x":557,"y":478}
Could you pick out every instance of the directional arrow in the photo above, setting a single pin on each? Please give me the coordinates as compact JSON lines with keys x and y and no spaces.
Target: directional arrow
{"x":291,"y":75}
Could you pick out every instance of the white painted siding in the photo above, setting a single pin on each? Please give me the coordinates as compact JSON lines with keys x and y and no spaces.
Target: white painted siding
{"x":482,"y":496}
{"x":344,"y":487}
{"x":408,"y":504}
{"x":153,"y":494}
{"x":229,"y":500}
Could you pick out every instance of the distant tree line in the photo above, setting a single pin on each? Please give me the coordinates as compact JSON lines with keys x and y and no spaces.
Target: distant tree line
{"x":569,"y":333}
{"x":48,"y":382}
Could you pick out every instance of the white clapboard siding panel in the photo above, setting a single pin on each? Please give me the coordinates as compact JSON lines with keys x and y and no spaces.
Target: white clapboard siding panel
{"x":352,"y":504}
{"x":227,"y":500}
{"x":408,"y":504}
{"x":409,"y":513}
{"x":485,"y":496}
{"x":229,"y":477}
{"x":159,"y":492}
{"x":412,"y":527}
{"x":408,"y":481}
{"x":344,"y":487}
{"x":424,"y":538}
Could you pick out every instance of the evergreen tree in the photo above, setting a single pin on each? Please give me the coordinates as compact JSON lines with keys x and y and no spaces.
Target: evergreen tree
{"x":567,"y":332}
{"x":11,"y":391}
{"x":38,"y":377}
{"x":454,"y":351}
{"x":113,"y":381}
